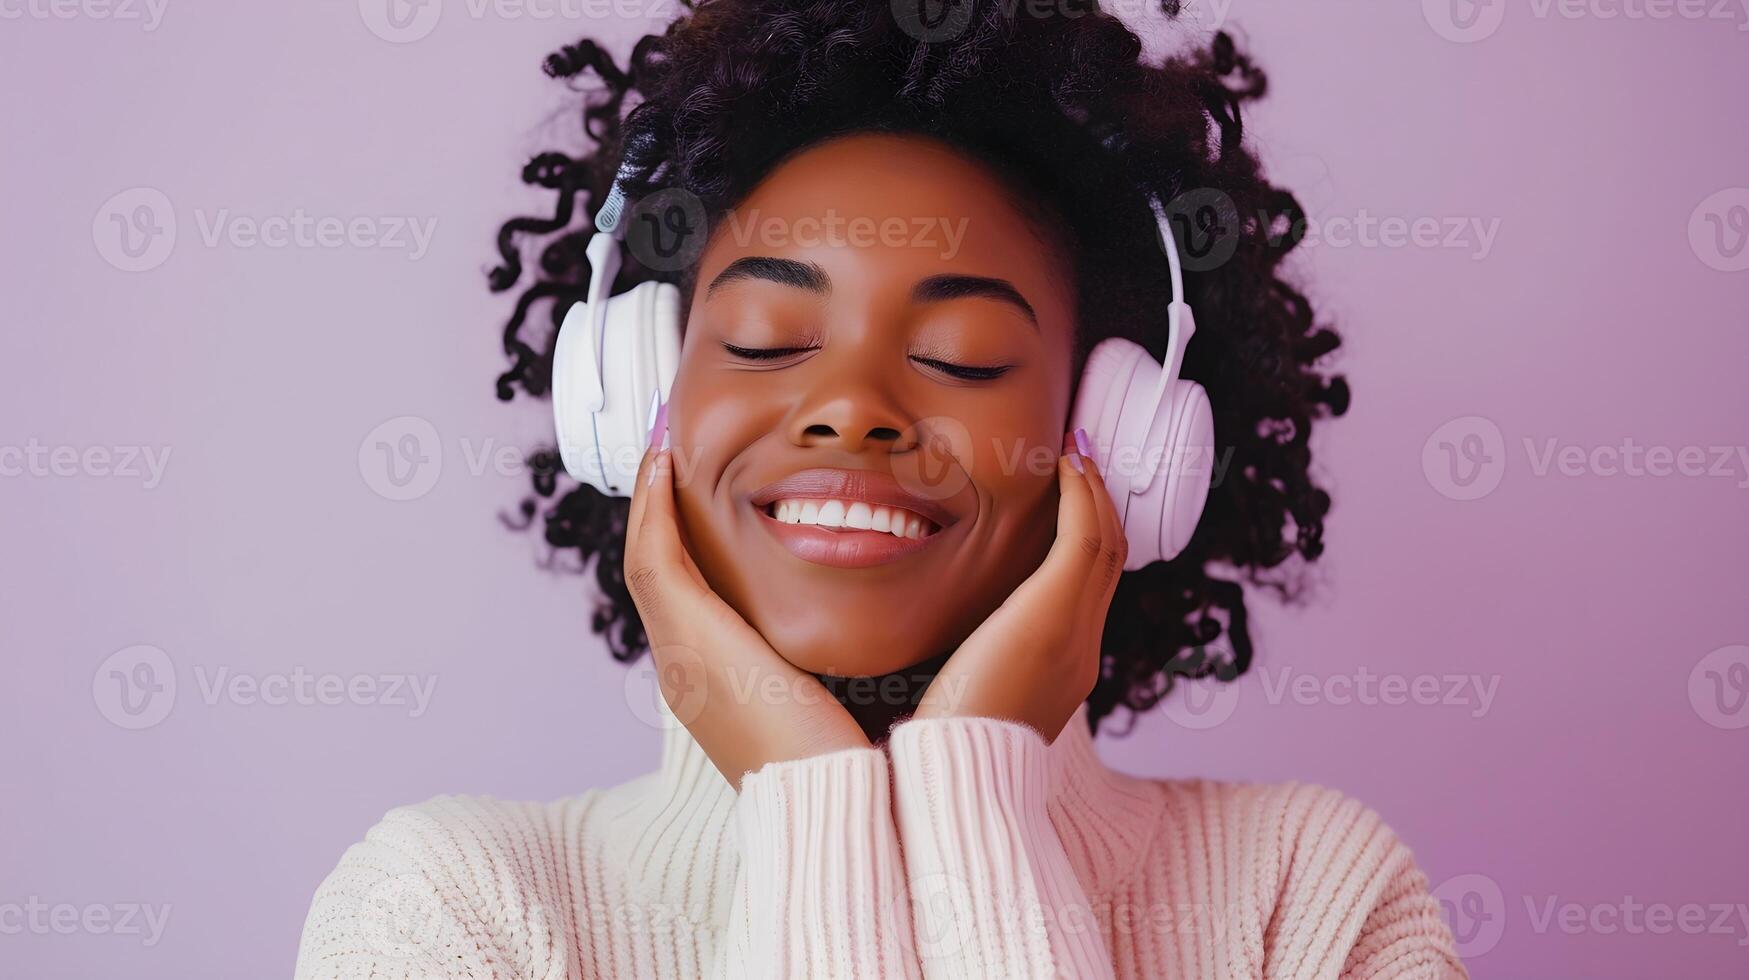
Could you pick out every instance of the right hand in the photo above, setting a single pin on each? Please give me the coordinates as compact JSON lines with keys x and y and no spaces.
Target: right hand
{"x":715,"y":670}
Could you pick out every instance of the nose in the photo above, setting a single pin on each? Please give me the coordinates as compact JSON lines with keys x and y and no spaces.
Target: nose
{"x":849,"y":414}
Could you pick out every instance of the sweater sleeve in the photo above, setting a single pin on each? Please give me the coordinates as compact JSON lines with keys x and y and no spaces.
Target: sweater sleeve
{"x":1403,"y":936}
{"x":453,"y":887}
{"x":821,"y":887}
{"x":992,"y":887}
{"x":1353,"y":903}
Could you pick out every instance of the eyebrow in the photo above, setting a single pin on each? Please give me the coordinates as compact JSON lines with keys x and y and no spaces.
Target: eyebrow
{"x":810,"y":277}
{"x":784,"y":272}
{"x":952,"y":286}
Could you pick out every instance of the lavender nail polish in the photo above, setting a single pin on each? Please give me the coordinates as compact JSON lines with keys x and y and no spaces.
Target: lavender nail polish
{"x":659,"y":427}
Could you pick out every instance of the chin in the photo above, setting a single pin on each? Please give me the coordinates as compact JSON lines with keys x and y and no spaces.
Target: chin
{"x":832,"y":647}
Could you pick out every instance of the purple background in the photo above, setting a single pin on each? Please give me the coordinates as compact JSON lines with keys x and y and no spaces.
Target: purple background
{"x":1608,"y":768}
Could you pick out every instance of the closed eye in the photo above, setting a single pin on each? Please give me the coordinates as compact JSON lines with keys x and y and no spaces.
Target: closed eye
{"x":962,"y":371}
{"x":764,"y":353}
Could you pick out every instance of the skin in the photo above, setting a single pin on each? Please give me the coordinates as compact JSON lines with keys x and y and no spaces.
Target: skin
{"x":1000,"y":617}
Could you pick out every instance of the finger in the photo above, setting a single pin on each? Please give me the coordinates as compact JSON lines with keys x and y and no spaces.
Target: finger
{"x":651,"y":520}
{"x":657,"y":534}
{"x":1075,"y":555}
{"x":670,"y":467}
{"x":1085,"y":526}
{"x":1115,"y":543}
{"x":1110,"y":523}
{"x":663,"y":576}
{"x":665,"y":469}
{"x":643,"y":477}
{"x":657,"y":571}
{"x":640,"y":496}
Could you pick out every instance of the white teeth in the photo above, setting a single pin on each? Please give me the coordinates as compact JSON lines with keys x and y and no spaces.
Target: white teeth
{"x":852,"y":514}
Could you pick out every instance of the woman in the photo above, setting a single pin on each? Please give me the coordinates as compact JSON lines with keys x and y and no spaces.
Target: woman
{"x":880,"y":690}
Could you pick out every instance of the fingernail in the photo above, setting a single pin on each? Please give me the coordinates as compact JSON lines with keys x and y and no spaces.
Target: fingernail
{"x":1074,"y":456}
{"x":659,"y":427}
{"x":1081,"y":441}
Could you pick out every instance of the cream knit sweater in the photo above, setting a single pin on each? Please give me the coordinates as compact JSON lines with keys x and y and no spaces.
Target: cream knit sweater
{"x":968,"y":847}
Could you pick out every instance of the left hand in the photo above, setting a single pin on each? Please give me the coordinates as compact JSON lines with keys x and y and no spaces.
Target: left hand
{"x":1037,"y":657}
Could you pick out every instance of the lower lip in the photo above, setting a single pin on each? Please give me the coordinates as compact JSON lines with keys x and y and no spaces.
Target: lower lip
{"x":842,"y":548}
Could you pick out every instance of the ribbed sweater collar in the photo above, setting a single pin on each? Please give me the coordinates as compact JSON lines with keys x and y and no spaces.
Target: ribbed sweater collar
{"x":1105,"y":818}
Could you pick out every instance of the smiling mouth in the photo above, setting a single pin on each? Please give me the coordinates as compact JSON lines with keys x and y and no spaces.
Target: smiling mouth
{"x":824,"y":531}
{"x":851,"y":515}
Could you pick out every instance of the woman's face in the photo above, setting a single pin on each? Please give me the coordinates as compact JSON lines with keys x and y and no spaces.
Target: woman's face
{"x":878,"y":269}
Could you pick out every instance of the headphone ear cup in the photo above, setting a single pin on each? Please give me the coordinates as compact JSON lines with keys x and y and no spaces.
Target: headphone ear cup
{"x":639,"y":358}
{"x":1189,"y":456}
{"x":1118,"y":381}
{"x":642,"y":357}
{"x":1099,"y":402}
{"x":665,"y":338}
{"x":573,"y":423}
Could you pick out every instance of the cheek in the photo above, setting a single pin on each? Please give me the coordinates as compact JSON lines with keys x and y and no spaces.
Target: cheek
{"x":700,"y":440}
{"x":1015,"y":472}
{"x":1018,"y":493}
{"x":710,"y":426}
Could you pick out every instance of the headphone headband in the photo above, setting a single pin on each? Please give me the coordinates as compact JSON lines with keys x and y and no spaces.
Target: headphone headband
{"x":1168,"y":244}
{"x":604,"y":256}
{"x":1180,"y":327}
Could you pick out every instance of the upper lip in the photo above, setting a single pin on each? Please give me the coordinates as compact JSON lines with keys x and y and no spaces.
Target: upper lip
{"x":871,"y":486}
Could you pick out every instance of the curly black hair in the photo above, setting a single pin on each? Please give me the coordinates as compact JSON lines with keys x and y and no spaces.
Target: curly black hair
{"x":1060,"y":102}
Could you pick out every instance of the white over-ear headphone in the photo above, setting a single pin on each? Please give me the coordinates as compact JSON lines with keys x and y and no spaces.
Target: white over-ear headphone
{"x":1153,"y":436}
{"x":1153,"y":433}
{"x":613,"y":363}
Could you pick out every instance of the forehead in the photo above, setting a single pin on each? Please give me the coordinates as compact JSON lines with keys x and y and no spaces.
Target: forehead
{"x":878,"y":207}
